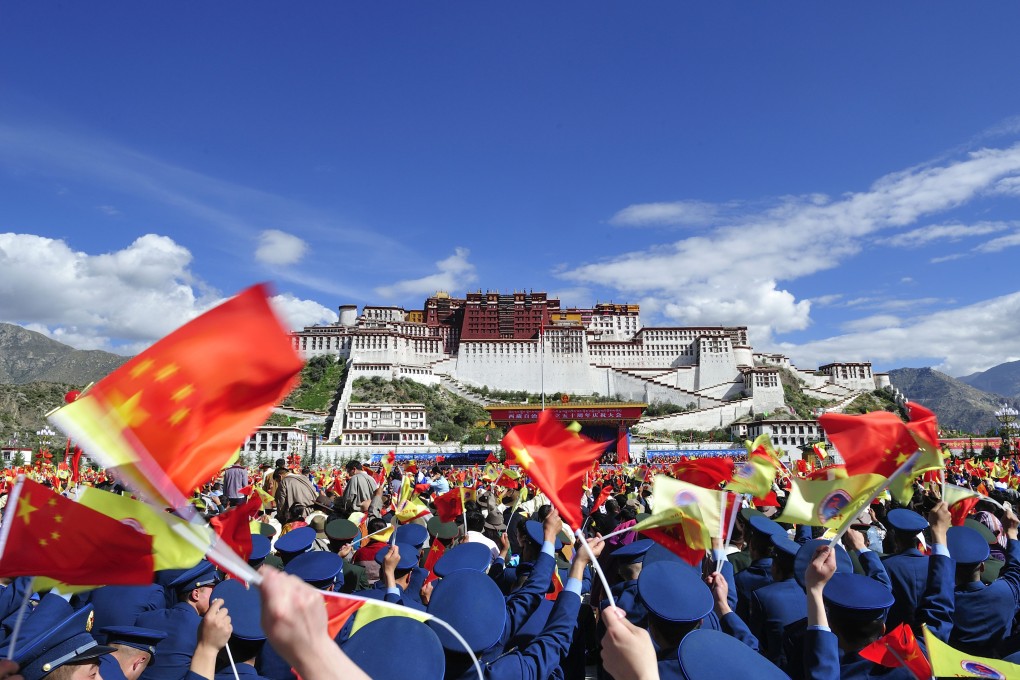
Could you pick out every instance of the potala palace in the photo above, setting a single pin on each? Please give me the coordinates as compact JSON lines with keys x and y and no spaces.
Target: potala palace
{"x":526,"y":341}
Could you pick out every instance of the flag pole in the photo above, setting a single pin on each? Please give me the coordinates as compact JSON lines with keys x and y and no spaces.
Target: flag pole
{"x":595,"y":565}
{"x":903,"y":469}
{"x":729,"y":529}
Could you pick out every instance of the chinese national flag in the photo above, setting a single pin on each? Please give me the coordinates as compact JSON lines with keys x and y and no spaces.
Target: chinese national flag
{"x":45,"y":534}
{"x":234,"y":526}
{"x":556,"y":459}
{"x":872,"y":443}
{"x":448,"y":505}
{"x":705,"y":472}
{"x":961,"y":502}
{"x":437,"y":550}
{"x":898,"y":648}
{"x":171,"y":417}
{"x":604,"y":495}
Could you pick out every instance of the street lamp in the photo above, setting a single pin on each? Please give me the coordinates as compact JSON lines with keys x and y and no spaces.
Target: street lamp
{"x":1007,"y":417}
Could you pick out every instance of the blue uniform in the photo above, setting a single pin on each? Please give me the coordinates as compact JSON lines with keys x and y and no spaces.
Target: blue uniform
{"x":121,"y":605}
{"x":110,"y":669}
{"x":731,"y":624}
{"x":984,"y":613}
{"x":540,"y":658}
{"x":757,"y":575}
{"x":773,"y":608}
{"x":180,"y":623}
{"x":627,"y":599}
{"x":908,"y":573}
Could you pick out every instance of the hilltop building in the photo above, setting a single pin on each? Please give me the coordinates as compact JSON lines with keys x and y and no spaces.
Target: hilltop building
{"x":528,"y":341}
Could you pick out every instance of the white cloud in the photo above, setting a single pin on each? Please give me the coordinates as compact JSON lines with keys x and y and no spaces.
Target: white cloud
{"x":279,"y":248}
{"x":870,"y":323}
{"x":119,"y":301}
{"x":826,"y":300}
{"x":109,"y":210}
{"x":455,"y":273}
{"x":692,"y":213}
{"x":732,"y":273}
{"x":1001,"y":243}
{"x":946,"y":258}
{"x":921,"y":236}
{"x":296,"y":313}
{"x":960,"y":340}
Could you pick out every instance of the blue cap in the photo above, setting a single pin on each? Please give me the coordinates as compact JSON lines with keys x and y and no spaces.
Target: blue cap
{"x":476,"y":556}
{"x":318,"y":568}
{"x":633,"y":552}
{"x":761,"y":524}
{"x":260,"y":547}
{"x":295,"y":542}
{"x":536,"y":532}
{"x":674,"y":592}
{"x":907,"y":521}
{"x":412,"y":534}
{"x":144,"y":639}
{"x":660,"y":553}
{"x":66,"y":640}
{"x":473,"y":605}
{"x":784,"y":546}
{"x":245,"y":608}
{"x":966,"y":546}
{"x":202,"y":574}
{"x":707,"y":654}
{"x":418,"y":643}
{"x":857,"y":597}
{"x":408,"y":556}
{"x":844,"y":565}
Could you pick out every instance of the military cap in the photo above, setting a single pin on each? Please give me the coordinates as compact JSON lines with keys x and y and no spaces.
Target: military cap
{"x":318,"y":568}
{"x":342,"y":530}
{"x":748,"y":513}
{"x":633,"y":552}
{"x":966,"y":545}
{"x":273,"y":561}
{"x":412,"y":534}
{"x":906,"y":521}
{"x":674,"y":592}
{"x":476,"y":556}
{"x":65,"y":640}
{"x":440,"y":529}
{"x":659,"y":553}
{"x":202,"y":574}
{"x":784,"y":546}
{"x":706,"y":654}
{"x":408,"y":556}
{"x":473,"y":605}
{"x":977,"y":526}
{"x":844,"y":565}
{"x":536,"y":532}
{"x":245,"y":608}
{"x":260,"y":547}
{"x":417,"y":641}
{"x":295,"y":542}
{"x":857,"y":597}
{"x":764,"y":526}
{"x":144,"y":639}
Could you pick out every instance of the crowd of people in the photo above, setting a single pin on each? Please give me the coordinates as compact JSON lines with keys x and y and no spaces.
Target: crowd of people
{"x":773,"y":600}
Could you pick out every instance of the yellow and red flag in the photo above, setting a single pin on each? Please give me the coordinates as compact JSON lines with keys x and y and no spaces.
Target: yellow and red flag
{"x":827,"y":504}
{"x":899,"y":648}
{"x":961,"y":502}
{"x":45,"y":534}
{"x":556,"y":459}
{"x":947,"y":662}
{"x":172,"y":416}
{"x":754,"y":476}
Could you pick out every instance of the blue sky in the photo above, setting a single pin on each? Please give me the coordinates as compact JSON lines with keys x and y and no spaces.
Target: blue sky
{"x":844,"y":180}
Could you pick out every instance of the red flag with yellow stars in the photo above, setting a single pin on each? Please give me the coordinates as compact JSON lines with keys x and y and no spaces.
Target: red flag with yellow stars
{"x":45,"y":534}
{"x":556,"y":459}
{"x":171,"y":417}
{"x":872,"y":443}
{"x":899,"y":648}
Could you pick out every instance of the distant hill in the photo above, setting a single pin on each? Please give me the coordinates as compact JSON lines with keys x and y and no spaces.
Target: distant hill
{"x":1003,"y":379}
{"x":28,"y":357}
{"x":957,"y":404}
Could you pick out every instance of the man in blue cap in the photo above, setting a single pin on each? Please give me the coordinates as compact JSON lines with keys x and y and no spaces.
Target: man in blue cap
{"x":777,"y":605}
{"x":759,"y":572}
{"x":985,"y":614}
{"x":295,"y":542}
{"x":398,"y":563}
{"x":180,"y":622}
{"x":63,"y":649}
{"x":847,"y":612}
{"x":907,"y":567}
{"x":121,"y":605}
{"x":234,"y":619}
{"x":629,"y":560}
{"x":134,"y":649}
